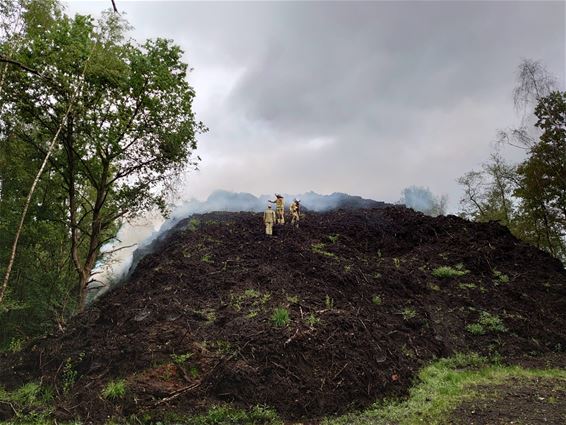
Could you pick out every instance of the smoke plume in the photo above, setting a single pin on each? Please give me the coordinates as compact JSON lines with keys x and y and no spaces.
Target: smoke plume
{"x":137,"y":239}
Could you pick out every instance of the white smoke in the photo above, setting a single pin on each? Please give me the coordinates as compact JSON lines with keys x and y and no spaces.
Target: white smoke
{"x":423,"y":200}
{"x":134,"y":239}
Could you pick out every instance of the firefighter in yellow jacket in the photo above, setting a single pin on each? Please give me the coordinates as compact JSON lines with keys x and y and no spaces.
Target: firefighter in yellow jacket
{"x":295,"y":209}
{"x":268,"y":220}
{"x":279,"y":208}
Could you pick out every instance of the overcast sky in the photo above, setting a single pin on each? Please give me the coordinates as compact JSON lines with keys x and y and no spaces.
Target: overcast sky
{"x":359,"y":97}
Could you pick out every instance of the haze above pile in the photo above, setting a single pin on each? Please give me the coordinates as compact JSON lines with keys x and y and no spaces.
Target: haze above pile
{"x":364,"y":98}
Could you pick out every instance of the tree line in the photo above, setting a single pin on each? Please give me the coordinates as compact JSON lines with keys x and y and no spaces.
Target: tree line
{"x":95,"y":128}
{"x":528,"y":197}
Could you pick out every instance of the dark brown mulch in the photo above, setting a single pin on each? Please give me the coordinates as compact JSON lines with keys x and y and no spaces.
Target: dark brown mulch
{"x":190,"y":297}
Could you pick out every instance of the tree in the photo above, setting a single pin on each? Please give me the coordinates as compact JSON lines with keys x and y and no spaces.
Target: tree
{"x":130,"y":134}
{"x":529,"y":198}
{"x":542,"y":176}
{"x":488,"y":193}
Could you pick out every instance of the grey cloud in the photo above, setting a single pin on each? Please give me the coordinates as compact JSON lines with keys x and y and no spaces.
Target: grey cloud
{"x":402,"y":92}
{"x":346,"y":62}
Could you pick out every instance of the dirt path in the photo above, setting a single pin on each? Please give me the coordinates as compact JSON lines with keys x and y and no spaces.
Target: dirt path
{"x":517,"y":401}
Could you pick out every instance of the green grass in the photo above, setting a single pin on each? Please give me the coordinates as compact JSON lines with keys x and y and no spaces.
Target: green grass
{"x":320,"y":248}
{"x":193,"y":224}
{"x":251,"y":293}
{"x":447,"y":271}
{"x":207,"y":258}
{"x":31,"y":403}
{"x":114,"y":390}
{"x":487,"y":323}
{"x":333,"y":238}
{"x":408,"y":313}
{"x":180,"y":359}
{"x":441,"y":387}
{"x":280,"y":317}
{"x":328,"y":302}
{"x":312,"y":320}
{"x":500,"y":277}
{"x":226,"y":415}
{"x":293,"y":299}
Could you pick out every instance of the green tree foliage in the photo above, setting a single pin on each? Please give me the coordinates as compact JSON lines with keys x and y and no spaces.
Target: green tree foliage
{"x":488,"y":194}
{"x":130,"y":132}
{"x":530,"y":197}
{"x":542,"y":176}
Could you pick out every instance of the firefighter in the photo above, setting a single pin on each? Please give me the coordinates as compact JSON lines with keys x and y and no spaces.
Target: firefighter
{"x":295,"y":209}
{"x":268,"y":220}
{"x":279,"y":208}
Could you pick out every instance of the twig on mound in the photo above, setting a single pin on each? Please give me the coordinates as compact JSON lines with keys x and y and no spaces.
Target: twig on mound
{"x":291,"y":338}
{"x":286,"y":370}
{"x":177,"y":393}
{"x":340,"y":371}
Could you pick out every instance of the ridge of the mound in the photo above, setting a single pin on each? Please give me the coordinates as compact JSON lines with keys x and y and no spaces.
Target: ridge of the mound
{"x":367,"y":308}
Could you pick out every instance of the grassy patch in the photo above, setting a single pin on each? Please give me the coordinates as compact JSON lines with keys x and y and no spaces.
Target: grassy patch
{"x":320,"y":248}
{"x":447,"y":271}
{"x":333,"y":238}
{"x":467,"y":286}
{"x":312,"y":320}
{"x":280,"y":317}
{"x":193,"y":224}
{"x":293,"y":299}
{"x":441,"y":387}
{"x":408,"y":313}
{"x":250,"y":298}
{"x":487,"y":323}
{"x":226,"y":415}
{"x":207,"y":258}
{"x":30,"y":403}
{"x":114,"y":390}
{"x":328,"y":302}
{"x":181,"y":359}
{"x":500,"y":277}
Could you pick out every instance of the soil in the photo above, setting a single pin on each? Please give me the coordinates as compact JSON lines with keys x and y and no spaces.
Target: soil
{"x":517,"y":401}
{"x":194,"y":327}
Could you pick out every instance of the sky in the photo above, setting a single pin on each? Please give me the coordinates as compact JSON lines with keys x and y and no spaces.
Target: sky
{"x":366,"y":98}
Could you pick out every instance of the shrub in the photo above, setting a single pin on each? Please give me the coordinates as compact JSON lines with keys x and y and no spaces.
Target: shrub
{"x":280,"y":317}
{"x":114,"y":389}
{"x":376,"y":300}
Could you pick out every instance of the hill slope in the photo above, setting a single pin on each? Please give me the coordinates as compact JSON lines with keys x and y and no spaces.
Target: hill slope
{"x":367,"y":305}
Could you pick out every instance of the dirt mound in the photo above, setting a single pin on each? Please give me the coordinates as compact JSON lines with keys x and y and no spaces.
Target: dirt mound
{"x":314,"y":321}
